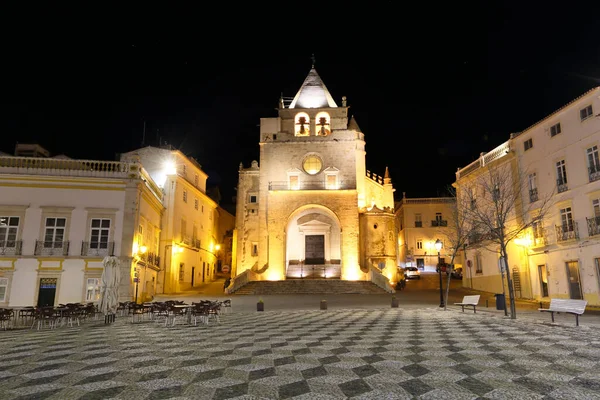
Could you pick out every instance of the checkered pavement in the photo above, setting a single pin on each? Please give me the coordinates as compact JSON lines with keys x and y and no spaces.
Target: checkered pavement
{"x":343,"y":354}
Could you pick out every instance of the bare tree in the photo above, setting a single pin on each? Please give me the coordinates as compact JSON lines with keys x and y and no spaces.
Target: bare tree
{"x":499,"y":206}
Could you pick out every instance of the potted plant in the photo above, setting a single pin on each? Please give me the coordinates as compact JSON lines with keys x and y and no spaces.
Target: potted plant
{"x":323,"y":304}
{"x":395,"y":302}
{"x":260,"y":306}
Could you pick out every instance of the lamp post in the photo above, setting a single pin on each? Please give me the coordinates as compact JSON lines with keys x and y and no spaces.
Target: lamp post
{"x":438,"y":247}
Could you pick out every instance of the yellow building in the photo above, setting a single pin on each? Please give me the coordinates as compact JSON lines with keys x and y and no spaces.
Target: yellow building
{"x":310,"y":208}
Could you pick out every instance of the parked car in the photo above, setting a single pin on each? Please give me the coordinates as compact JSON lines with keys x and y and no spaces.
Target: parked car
{"x":457,"y":273}
{"x":412,"y":273}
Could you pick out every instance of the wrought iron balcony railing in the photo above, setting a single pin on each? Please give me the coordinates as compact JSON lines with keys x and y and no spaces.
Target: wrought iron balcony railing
{"x":540,"y":237}
{"x":312,"y":185}
{"x":51,"y":248}
{"x":561,"y":186}
{"x":436,"y":222}
{"x":567,"y":232}
{"x":11,"y":248}
{"x":533,"y":195}
{"x":150,"y":259}
{"x":418,"y":224}
{"x":97,"y":249}
{"x":594,"y":173}
{"x":593,"y":225}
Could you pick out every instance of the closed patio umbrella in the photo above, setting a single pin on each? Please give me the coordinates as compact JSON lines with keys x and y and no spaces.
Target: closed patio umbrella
{"x":109,"y":294}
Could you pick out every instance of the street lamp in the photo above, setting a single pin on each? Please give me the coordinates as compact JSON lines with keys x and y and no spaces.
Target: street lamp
{"x":438,"y":247}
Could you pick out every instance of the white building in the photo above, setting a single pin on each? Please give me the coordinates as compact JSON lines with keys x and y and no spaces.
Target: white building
{"x":559,"y":157}
{"x":422,"y":221}
{"x":59,"y":218}
{"x":310,"y":208}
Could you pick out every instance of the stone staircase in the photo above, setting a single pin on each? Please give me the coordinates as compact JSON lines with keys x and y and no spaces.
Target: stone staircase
{"x":309,"y":286}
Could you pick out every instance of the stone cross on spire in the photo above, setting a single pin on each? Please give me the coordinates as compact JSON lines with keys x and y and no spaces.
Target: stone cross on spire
{"x":313,"y":60}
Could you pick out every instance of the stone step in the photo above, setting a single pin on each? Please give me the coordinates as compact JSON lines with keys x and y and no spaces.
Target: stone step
{"x":309,"y":286}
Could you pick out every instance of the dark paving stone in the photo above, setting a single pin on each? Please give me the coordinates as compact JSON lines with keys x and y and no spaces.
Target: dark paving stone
{"x":261,"y":373}
{"x":96,"y":366}
{"x":154,"y":375}
{"x":293,"y":389}
{"x":365,"y":370}
{"x":458,"y":357}
{"x":263,"y":351}
{"x":329,"y":360}
{"x":377,"y":349}
{"x":99,"y":378}
{"x":276,"y":345}
{"x":515,"y":369}
{"x":415,"y":370}
{"x":208,"y":375}
{"x":416,"y":358}
{"x":314,"y":344}
{"x":231,"y":391}
{"x":382,"y":343}
{"x":39,"y":395}
{"x":502,"y":357}
{"x":340,"y":350}
{"x":241,"y":345}
{"x":301,"y":351}
{"x":543,"y":357}
{"x":102,"y":394}
{"x":534,"y":385}
{"x":475,"y":386}
{"x":48,"y":367}
{"x":415,"y":342}
{"x":453,"y":349}
{"x":373,"y":359}
{"x":466,"y":369}
{"x":587,"y":383}
{"x":166,"y":393}
{"x":222,"y":353}
{"x":42,"y":381}
{"x":240,"y":361}
{"x":284,"y":360}
{"x":354,"y":388}
{"x":60,"y":357}
{"x":194,"y":361}
{"x":415,"y":387}
{"x":314,"y":372}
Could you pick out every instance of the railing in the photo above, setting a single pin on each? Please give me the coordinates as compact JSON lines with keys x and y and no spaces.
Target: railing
{"x":594,"y":173}
{"x":97,"y":249}
{"x":11,"y":248}
{"x":312,"y":271}
{"x":484,"y":159}
{"x":418,"y":224}
{"x":427,"y":200}
{"x":561,"y":186}
{"x":241,"y":280}
{"x":593,"y":225}
{"x":436,"y":222}
{"x":533,"y":195}
{"x":567,"y":232}
{"x":51,"y":248}
{"x":311,"y":185}
{"x":65,"y":167}
{"x":377,"y":178}
{"x":380,"y":280}
{"x":540,"y":237}
{"x":151,"y":259}
{"x":196,"y":243}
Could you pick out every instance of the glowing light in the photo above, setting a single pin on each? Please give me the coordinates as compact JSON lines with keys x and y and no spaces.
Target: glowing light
{"x":170,"y":167}
{"x":135,"y":248}
{"x":523,"y":241}
{"x":143,"y":249}
{"x":218,"y":247}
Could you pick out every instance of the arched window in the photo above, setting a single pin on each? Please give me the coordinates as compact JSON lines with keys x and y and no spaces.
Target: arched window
{"x":312,"y":165}
{"x":302,"y":124}
{"x":323,"y":122}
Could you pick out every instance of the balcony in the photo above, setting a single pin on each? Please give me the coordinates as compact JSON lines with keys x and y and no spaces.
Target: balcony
{"x":594,"y":173}
{"x":567,"y":232}
{"x":11,"y":248}
{"x":418,"y":224}
{"x":439,"y":222}
{"x":540,"y":237}
{"x":150,"y":259}
{"x":593,"y":225}
{"x":48,"y":248}
{"x":312,"y":185}
{"x":66,"y":167}
{"x":97,"y":249}
{"x":533,"y":195}
{"x":561,"y":186}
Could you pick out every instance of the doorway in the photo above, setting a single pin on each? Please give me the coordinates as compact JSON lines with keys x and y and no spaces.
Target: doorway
{"x":314,"y":249}
{"x":47,"y":292}
{"x":421,"y":263}
{"x":193,"y":275}
{"x":543,"y":276}
{"x":573,"y":278}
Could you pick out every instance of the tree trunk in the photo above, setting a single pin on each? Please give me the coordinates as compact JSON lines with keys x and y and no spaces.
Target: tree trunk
{"x":511,"y":291}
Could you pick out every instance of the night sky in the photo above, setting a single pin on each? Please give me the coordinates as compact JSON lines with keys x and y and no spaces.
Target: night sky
{"x":431,"y":86}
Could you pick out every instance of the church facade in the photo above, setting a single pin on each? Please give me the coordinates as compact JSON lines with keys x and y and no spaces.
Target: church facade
{"x":309,"y":208}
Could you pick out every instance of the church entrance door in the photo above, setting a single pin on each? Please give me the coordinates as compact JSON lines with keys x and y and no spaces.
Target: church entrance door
{"x":314,"y":249}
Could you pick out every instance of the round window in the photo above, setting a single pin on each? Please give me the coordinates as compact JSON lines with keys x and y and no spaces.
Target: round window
{"x":312,"y":165}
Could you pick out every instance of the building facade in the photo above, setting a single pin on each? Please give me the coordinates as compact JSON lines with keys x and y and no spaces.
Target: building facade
{"x":59,"y":218}
{"x":558,"y":160}
{"x":310,"y":208}
{"x":422,"y":221}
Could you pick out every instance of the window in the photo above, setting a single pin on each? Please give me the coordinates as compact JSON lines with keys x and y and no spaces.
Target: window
{"x":312,"y":165}
{"x":302,"y":127}
{"x":252,"y":199}
{"x":9,"y":227}
{"x":54,"y":233}
{"x":538,"y":229}
{"x":323,"y":124}
{"x":555,"y":130}
{"x":3,"y":289}
{"x":185,"y":196}
{"x":196,"y":203}
{"x":478,"y":264}
{"x":596,"y":207}
{"x":196,"y":180}
{"x":420,"y":244}
{"x":528,"y":144}
{"x":532,"y":183}
{"x":438,"y":218}
{"x":92,"y":291}
{"x":183,"y":228}
{"x":331,"y":181}
{"x":294,"y":185}
{"x":418,"y":221}
{"x":99,"y":233}
{"x":181,"y":272}
{"x":566,"y":219}
{"x":183,"y":167}
{"x":254,"y":249}
{"x":561,"y":176}
{"x":586,"y":112}
{"x":593,"y":160}
{"x":596,"y":261}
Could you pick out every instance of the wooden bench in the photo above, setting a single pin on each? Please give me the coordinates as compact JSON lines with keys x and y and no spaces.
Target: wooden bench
{"x":568,"y":306}
{"x":469,"y":301}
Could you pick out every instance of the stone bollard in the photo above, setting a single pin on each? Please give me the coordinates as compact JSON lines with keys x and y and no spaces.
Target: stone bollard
{"x":395,"y":302}
{"x":260,"y":306}
{"x":323,"y":304}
